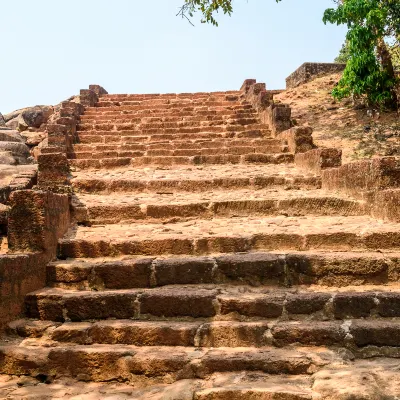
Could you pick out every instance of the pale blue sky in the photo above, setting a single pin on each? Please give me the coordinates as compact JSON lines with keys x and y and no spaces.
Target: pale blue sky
{"x":51,"y":49}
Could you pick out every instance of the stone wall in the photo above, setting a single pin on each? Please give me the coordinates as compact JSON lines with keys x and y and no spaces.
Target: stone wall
{"x":20,"y":274}
{"x":309,"y":71}
{"x":36,"y":221}
{"x":375,"y":181}
{"x":276,"y":116}
{"x":53,"y":160}
{"x":360,"y":177}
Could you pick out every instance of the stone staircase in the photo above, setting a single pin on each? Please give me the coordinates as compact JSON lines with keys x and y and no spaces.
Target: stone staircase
{"x":197,"y":247}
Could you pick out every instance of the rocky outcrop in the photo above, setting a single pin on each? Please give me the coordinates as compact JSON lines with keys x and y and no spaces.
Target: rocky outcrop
{"x":19,"y":151}
{"x":30,"y":117}
{"x":13,"y":150}
{"x":33,"y":139}
{"x":10,"y":135}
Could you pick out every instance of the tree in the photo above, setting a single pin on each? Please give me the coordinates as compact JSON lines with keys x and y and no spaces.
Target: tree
{"x":369,"y":71}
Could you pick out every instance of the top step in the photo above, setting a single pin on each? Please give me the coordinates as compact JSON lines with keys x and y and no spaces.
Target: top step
{"x":150,"y":96}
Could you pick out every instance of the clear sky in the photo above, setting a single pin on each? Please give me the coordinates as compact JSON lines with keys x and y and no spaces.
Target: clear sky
{"x":51,"y":49}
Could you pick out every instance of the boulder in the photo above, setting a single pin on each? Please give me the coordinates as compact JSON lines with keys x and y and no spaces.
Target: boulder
{"x":9,"y":135}
{"x":6,"y":158}
{"x":2,"y":120}
{"x":30,"y":117}
{"x":22,"y":125}
{"x":12,"y":115}
{"x":12,"y":123}
{"x":19,"y":151}
{"x":36,"y":116}
{"x":33,"y":138}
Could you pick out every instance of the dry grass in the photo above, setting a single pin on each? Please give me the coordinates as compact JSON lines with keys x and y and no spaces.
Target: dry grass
{"x":338,"y":124}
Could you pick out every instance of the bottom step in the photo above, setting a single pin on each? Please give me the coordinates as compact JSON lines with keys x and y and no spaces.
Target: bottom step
{"x":371,"y":380}
{"x":168,"y":364}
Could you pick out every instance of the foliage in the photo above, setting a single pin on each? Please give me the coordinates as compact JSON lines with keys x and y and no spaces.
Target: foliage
{"x":344,"y":54}
{"x":207,"y":8}
{"x":394,"y":50}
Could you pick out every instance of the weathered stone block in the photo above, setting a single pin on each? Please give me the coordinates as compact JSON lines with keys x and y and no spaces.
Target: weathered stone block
{"x":37,"y":220}
{"x":353,"y":305}
{"x":299,"y":139}
{"x":386,"y":205}
{"x":308,"y":333}
{"x":317,"y":160}
{"x":53,"y":170}
{"x":306,"y":303}
{"x":178,"y":303}
{"x":359,"y":177}
{"x":99,"y":90}
{"x":247,"y":84}
{"x":267,"y":306}
{"x":88,"y":98}
{"x":375,"y":333}
{"x":181,"y":271}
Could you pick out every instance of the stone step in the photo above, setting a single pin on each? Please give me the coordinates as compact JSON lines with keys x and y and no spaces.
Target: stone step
{"x":171,"y":115}
{"x":187,"y":111}
{"x":101,"y":363}
{"x":136,"y":138}
{"x":219,"y":302}
{"x":257,"y":391}
{"x":165,"y":117}
{"x":132,"y":129}
{"x":198,"y":144}
{"x":168,"y":104}
{"x":162,"y":96}
{"x":230,"y":235}
{"x":204,"y":178}
{"x":177,"y":107}
{"x":171,"y":127}
{"x":115,"y":162}
{"x":116,"y":208}
{"x":343,"y":379}
{"x":196,"y":101}
{"x":91,"y":122}
{"x":219,"y":386}
{"x":355,"y":334}
{"x":235,"y":150}
{"x":338,"y":269}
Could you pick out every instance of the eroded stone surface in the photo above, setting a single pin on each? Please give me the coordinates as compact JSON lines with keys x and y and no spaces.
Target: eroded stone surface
{"x":372,"y":380}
